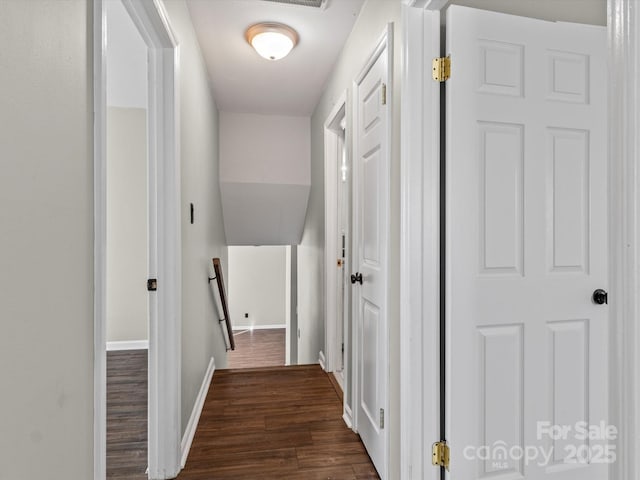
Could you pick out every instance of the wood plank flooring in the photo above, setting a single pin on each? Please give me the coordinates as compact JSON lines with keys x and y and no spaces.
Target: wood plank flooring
{"x":275,"y":423}
{"x":127,"y":415}
{"x":258,"y":348}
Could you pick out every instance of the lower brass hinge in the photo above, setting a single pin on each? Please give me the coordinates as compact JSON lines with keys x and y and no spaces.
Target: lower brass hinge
{"x":440,"y":455}
{"x":441,"y":69}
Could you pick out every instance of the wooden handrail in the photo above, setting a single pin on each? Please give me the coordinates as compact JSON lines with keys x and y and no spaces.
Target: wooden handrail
{"x":217,"y":268}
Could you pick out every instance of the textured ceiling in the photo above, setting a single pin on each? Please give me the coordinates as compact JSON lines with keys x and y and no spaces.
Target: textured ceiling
{"x":242,"y":81}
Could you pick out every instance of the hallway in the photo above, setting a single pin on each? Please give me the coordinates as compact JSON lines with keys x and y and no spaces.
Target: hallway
{"x":275,"y":423}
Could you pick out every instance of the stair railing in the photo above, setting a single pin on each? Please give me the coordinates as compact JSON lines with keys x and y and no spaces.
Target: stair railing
{"x":217,"y":268}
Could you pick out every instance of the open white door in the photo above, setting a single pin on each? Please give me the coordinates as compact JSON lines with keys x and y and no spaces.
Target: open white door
{"x":527,"y":354}
{"x":371,"y":243}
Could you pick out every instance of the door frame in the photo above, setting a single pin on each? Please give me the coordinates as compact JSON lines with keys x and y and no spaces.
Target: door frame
{"x":420,"y":234}
{"x":385,"y":41}
{"x":331,"y":274}
{"x":419,"y":241}
{"x":164,"y":410}
{"x":331,"y":277}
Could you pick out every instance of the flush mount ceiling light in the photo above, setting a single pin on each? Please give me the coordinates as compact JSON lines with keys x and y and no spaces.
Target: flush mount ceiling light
{"x":272,"y":41}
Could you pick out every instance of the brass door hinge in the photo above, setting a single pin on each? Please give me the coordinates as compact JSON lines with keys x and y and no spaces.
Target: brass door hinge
{"x":440,"y":455}
{"x":384,"y":94}
{"x":441,"y":69}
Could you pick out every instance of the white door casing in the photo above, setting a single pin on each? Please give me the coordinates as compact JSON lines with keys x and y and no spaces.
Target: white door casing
{"x":371,"y":197}
{"x":334,"y":141}
{"x":419,"y":243}
{"x":526,"y":242}
{"x":623,"y":21}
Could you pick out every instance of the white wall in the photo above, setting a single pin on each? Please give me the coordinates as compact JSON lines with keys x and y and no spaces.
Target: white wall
{"x":370,"y":25}
{"x":264,"y":148}
{"x":265,"y":179}
{"x":46,"y":244}
{"x":126,"y":60}
{"x":127,"y":238}
{"x":257,"y":285}
{"x":201,"y":334}
{"x":127,"y":231}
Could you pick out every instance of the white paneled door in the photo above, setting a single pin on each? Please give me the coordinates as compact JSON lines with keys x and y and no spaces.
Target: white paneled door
{"x":371,"y":241}
{"x":527,"y":355}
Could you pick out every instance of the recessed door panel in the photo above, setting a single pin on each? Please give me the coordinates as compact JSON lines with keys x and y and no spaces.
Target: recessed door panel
{"x":371,"y":209}
{"x":568,"y":200}
{"x":501,"y":198}
{"x":501,"y":68}
{"x":369,"y":380}
{"x":501,"y":396}
{"x":568,"y":76}
{"x":569,"y":386}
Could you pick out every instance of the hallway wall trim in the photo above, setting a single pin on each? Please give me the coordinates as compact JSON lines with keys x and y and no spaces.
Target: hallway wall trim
{"x":128,"y":345}
{"x":347,"y":416}
{"x":277,"y":326}
{"x":623,"y":20}
{"x":419,"y":239}
{"x":322,"y":361}
{"x":194,"y":419}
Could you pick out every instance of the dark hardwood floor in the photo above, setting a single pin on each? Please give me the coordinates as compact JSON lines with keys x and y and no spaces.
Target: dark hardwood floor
{"x":258,"y":348}
{"x":275,"y":423}
{"x":127,"y":415}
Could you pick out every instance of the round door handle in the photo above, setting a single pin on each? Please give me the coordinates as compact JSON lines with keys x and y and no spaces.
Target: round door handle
{"x":599,"y":297}
{"x":356,"y":277}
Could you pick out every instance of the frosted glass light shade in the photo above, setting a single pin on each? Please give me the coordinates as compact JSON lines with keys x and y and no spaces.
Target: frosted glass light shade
{"x":272,"y":41}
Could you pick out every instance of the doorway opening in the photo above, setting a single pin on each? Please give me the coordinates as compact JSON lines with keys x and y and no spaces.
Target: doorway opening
{"x":127,"y":247}
{"x":260,"y":298}
{"x":161,"y":188}
{"x":337,"y":246}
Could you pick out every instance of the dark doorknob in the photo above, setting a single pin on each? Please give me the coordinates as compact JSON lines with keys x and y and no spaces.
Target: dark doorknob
{"x":599,"y":297}
{"x":356,"y":277}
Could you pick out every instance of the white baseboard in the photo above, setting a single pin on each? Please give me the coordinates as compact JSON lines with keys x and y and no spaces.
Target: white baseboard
{"x":128,"y":345}
{"x":190,"y":431}
{"x":347,"y":416}
{"x":339,"y":379}
{"x":321,"y":360}
{"x":260,"y":327}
